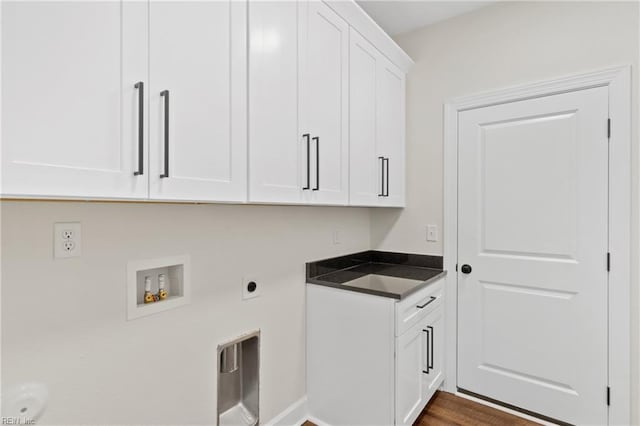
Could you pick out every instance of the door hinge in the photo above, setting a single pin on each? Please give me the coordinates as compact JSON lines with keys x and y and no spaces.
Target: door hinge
{"x":456,"y":267}
{"x":608,"y":261}
{"x":608,"y":395}
{"x":608,"y":128}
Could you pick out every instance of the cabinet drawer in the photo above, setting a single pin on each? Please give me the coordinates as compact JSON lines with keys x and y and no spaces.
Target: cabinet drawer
{"x":409,"y":312}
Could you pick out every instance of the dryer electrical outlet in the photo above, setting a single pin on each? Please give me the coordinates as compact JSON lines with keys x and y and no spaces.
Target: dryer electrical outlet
{"x":67,"y":241}
{"x":250,"y":288}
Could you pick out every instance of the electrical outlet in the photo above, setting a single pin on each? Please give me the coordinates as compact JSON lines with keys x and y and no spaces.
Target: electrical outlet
{"x":250,"y":288}
{"x":66,"y":240}
{"x":336,"y":237}
{"x":432,"y":233}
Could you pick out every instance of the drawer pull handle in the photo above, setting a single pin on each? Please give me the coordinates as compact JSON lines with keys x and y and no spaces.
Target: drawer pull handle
{"x":426,"y":303}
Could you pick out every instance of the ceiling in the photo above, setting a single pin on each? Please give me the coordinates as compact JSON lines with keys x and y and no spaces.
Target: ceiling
{"x":401,"y":16}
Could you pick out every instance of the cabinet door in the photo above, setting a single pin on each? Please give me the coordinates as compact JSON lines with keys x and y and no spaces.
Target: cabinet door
{"x":276,"y":146}
{"x":324,"y":41}
{"x":197,"y":57}
{"x":377,"y":127}
{"x":390,"y":125}
{"x":365,"y":185}
{"x":62,"y":104}
{"x":434,"y":348}
{"x":410,"y":362}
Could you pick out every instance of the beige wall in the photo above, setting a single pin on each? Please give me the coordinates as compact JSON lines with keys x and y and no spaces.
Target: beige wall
{"x":495,"y":47}
{"x":64,"y":321}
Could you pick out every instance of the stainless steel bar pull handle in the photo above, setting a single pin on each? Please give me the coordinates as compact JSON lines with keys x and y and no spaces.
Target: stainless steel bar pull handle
{"x":165,"y":95}
{"x":381,"y":193}
{"x":428,"y":349}
{"x":307,"y":138}
{"x":140,"y":86}
{"x":316,"y":139}
{"x":430,"y":354}
{"x":387,"y":192}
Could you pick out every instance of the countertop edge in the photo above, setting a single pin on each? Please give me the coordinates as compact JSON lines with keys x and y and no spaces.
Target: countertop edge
{"x":347,"y":287}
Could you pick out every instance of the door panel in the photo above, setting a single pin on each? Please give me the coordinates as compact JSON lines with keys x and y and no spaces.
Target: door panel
{"x":365,"y":167}
{"x":391,"y":129}
{"x":410,"y":362}
{"x":277,"y":148}
{"x":434,"y":338}
{"x":62,"y":101}
{"x":533,"y":225}
{"x":325,"y":113}
{"x":196,"y":54}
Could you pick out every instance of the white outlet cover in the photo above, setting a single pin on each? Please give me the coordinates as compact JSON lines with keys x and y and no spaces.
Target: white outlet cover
{"x":336,"y":237}
{"x":246,"y":294}
{"x":65,"y":246}
{"x":432,"y":233}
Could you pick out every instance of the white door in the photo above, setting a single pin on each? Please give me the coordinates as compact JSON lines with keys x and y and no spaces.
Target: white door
{"x":277,"y":147}
{"x":365,"y":169}
{"x":533,"y":230}
{"x":197,"y":92}
{"x":324,"y":41}
{"x":390,"y":126}
{"x":411,"y":362}
{"x":66,"y":128}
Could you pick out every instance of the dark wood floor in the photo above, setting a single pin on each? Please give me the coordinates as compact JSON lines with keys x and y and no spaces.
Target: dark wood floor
{"x":450,"y":410}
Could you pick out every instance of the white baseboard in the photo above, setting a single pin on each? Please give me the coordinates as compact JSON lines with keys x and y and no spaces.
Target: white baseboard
{"x":316,"y":421}
{"x":293,"y":415}
{"x":298,"y":412}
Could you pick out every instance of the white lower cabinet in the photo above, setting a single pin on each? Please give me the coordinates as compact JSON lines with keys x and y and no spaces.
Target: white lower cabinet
{"x":373,"y":360}
{"x":434,"y":375}
{"x":418,"y":350}
{"x":410,"y":360}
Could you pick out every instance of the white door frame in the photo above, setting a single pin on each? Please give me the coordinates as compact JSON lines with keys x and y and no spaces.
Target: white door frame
{"x":618,"y":80}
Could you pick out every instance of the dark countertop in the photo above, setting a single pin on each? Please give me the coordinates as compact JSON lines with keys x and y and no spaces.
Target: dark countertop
{"x":387,"y":274}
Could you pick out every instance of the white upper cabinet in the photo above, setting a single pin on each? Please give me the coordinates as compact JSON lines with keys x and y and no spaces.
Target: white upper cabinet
{"x":390,"y":131}
{"x":365,"y":171}
{"x":292,"y":102}
{"x":325,"y":100}
{"x":197,"y":98}
{"x":276,"y":145}
{"x":62,"y":112}
{"x":298,"y":103}
{"x":377,"y":135}
{"x":84,"y":106}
